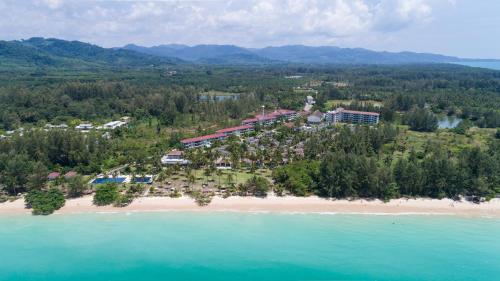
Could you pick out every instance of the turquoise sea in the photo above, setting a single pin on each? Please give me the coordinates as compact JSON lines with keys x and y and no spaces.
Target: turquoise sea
{"x":483,"y":64}
{"x":243,"y":246}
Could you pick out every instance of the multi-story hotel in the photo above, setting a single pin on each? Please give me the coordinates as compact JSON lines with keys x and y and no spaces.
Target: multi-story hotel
{"x":351,"y":116}
{"x":239,"y":130}
{"x":202,"y":141}
{"x":271,"y":118}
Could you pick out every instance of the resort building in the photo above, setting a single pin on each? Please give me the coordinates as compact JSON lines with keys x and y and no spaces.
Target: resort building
{"x":53,"y":175}
{"x":310,"y":100}
{"x":174,"y":157}
{"x":271,"y":118}
{"x":315,"y":118}
{"x":239,"y":130}
{"x":70,"y":174}
{"x":351,"y":116}
{"x":222,"y":163}
{"x":202,"y":141}
{"x":84,"y":127}
{"x":112,"y":125}
{"x":60,"y":126}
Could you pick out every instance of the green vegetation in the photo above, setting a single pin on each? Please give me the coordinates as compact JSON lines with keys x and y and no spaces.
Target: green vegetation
{"x":107,"y":194}
{"x":258,"y":186}
{"x":336,"y":161}
{"x":420,"y":119}
{"x":371,"y":163}
{"x":44,"y":202}
{"x":76,"y":186}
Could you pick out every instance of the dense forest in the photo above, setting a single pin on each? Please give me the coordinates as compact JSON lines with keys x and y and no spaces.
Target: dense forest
{"x":359,"y":164}
{"x":454,"y":90}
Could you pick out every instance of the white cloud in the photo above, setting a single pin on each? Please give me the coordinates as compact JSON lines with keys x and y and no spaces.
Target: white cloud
{"x":249,"y":23}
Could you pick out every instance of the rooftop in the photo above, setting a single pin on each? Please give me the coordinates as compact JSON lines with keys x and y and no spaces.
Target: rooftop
{"x":340,"y":109}
{"x":237,"y":128}
{"x":202,"y":138}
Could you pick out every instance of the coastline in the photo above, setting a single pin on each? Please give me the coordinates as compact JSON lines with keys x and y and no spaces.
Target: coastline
{"x":274,"y":204}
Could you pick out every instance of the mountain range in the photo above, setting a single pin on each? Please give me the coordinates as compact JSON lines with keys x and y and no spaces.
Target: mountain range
{"x":42,"y":52}
{"x":230,"y":54}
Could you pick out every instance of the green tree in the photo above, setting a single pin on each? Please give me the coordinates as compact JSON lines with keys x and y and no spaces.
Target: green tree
{"x":76,"y":186}
{"x":44,"y":202}
{"x":106,"y":194}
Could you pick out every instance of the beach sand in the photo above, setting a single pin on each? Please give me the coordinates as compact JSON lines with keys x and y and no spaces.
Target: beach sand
{"x":280,"y":205}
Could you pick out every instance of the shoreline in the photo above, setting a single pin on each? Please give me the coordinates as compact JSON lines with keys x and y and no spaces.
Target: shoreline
{"x":272,"y":204}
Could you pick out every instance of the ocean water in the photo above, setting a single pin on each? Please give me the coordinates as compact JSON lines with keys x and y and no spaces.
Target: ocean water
{"x":242,"y":246}
{"x":483,"y":64}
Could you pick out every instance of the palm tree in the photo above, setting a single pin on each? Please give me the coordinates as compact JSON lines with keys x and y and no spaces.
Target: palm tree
{"x":219,"y":174}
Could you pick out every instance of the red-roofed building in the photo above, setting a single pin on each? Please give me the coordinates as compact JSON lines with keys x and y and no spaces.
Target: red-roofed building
{"x":53,"y":176}
{"x":70,"y":174}
{"x":272,"y":117}
{"x":239,"y":130}
{"x":202,"y":141}
{"x":352,"y":116}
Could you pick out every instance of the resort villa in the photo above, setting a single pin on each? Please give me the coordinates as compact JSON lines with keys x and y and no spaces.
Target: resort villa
{"x":53,"y":175}
{"x":60,"y":126}
{"x":222,"y":163}
{"x":84,"y":127}
{"x":174,"y":157}
{"x":112,"y":125}
{"x":351,"y":116}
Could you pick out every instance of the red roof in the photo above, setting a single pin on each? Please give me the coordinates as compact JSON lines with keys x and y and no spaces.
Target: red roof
{"x":361,"y":112}
{"x":70,"y":174}
{"x":232,"y":129}
{"x":53,"y":175}
{"x":270,"y":116}
{"x":202,"y":138}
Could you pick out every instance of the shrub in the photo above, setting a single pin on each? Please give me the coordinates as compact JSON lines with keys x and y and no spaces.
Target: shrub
{"x":76,"y":186}
{"x":44,"y":202}
{"x":106,"y":194}
{"x":258,"y":186}
{"x":123,"y":200}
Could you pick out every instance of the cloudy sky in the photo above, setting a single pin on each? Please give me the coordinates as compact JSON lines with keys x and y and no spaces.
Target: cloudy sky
{"x":466,"y":28}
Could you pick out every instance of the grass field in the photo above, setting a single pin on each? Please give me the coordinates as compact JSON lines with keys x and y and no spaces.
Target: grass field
{"x":474,"y":137}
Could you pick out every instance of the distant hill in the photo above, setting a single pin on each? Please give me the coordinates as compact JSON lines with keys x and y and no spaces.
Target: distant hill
{"x":230,"y":54}
{"x":211,"y":54}
{"x":42,"y":52}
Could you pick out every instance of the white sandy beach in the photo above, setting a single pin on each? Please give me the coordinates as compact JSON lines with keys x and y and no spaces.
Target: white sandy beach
{"x":280,"y":205}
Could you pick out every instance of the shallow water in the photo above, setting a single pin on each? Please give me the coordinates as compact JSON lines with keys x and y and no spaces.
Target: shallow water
{"x":448,"y":122}
{"x":243,"y":246}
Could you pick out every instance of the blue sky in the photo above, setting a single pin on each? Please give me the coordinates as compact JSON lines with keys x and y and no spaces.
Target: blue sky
{"x":466,"y":28}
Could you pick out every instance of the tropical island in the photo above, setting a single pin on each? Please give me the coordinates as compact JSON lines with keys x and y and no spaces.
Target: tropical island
{"x":123,"y":128}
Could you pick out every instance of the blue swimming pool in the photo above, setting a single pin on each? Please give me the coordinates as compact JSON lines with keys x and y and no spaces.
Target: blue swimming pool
{"x":142,"y":180}
{"x":109,"y":180}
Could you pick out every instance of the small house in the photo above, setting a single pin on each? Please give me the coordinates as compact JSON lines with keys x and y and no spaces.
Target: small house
{"x":53,"y":176}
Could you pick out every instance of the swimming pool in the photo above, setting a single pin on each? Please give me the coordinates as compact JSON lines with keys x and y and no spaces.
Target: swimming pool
{"x":109,"y":180}
{"x":142,"y":180}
